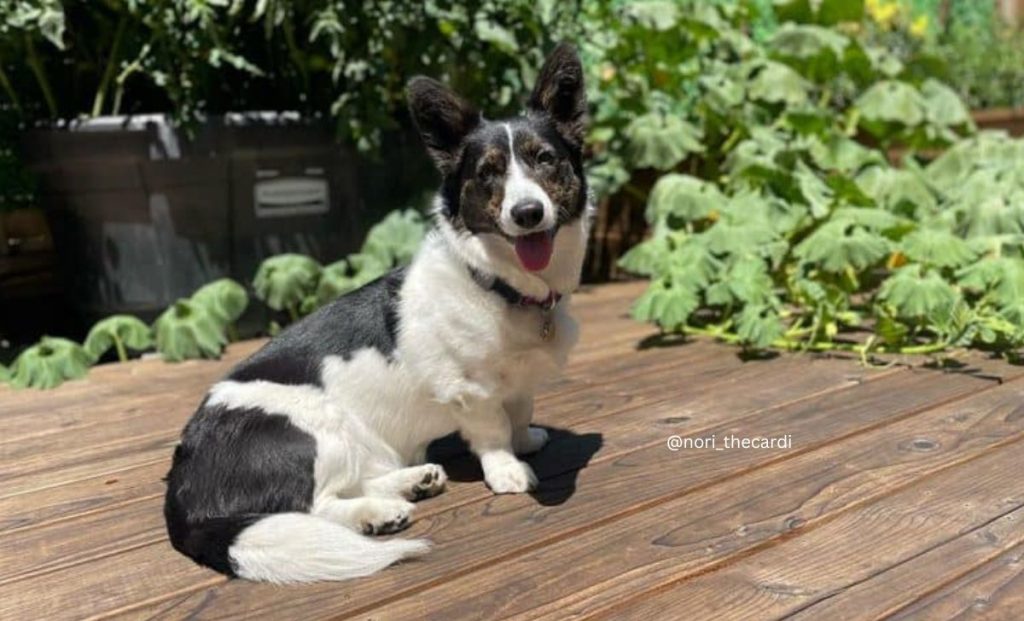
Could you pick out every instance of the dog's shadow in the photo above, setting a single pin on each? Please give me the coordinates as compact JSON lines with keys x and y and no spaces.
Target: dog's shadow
{"x":557,"y":465}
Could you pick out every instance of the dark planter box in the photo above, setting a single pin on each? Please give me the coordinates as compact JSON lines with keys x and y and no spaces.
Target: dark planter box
{"x":143,"y":215}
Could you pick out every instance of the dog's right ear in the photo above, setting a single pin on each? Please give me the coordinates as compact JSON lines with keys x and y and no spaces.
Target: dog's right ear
{"x":443,"y":118}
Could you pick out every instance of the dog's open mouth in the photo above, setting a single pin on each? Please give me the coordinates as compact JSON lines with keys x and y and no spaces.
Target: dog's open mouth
{"x":534,"y":250}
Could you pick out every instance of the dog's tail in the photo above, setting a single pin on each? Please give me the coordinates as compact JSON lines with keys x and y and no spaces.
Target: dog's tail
{"x":290,"y":547}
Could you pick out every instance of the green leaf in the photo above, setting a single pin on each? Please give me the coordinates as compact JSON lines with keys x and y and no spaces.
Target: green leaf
{"x":121,"y":331}
{"x":667,"y":305}
{"x":745,"y":280}
{"x":838,"y":246}
{"x":914,"y":293}
{"x":774,"y":82}
{"x":889,"y":105}
{"x":395,"y":239}
{"x":496,"y":34}
{"x":188,"y":330}
{"x":684,"y":197}
{"x":656,"y":15}
{"x":661,"y":141}
{"x":49,"y":363}
{"x":648,"y":258}
{"x":936,"y":247}
{"x":224,"y":299}
{"x":943,"y":106}
{"x":285,"y":280}
{"x":900,"y":191}
{"x":759,"y":325}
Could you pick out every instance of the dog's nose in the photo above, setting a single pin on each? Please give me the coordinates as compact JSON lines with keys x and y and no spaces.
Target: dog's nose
{"x":527,"y":214}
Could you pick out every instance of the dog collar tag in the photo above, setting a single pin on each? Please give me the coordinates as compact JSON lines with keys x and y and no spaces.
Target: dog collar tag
{"x":547,"y":325}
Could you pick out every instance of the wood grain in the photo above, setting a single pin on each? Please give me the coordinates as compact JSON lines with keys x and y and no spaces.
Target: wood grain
{"x":702,"y":530}
{"x":919,"y":461}
{"x":471,"y":537}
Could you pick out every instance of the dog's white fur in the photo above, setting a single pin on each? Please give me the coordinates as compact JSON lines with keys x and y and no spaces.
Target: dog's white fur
{"x":465,"y":361}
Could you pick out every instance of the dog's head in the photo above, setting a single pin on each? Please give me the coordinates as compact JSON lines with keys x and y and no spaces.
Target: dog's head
{"x":518,"y":179}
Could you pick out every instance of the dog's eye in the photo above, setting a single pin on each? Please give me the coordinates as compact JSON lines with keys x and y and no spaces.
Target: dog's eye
{"x":486,"y":172}
{"x":546,"y":157}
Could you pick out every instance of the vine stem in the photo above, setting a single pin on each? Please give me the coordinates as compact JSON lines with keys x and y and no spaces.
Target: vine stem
{"x":5,"y":82}
{"x":122,"y":354}
{"x":108,"y":72}
{"x":37,"y":70}
{"x":823,"y":346}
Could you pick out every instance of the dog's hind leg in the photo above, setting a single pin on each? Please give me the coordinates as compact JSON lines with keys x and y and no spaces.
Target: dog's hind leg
{"x":366,"y":514}
{"x":413,"y":483}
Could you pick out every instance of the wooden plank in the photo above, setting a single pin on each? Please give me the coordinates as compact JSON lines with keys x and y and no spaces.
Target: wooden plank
{"x":993,"y":591}
{"x":629,"y":429}
{"x":20,"y":504}
{"x":854,"y":546}
{"x":697,"y":532}
{"x":934,"y":585}
{"x":474,"y":536}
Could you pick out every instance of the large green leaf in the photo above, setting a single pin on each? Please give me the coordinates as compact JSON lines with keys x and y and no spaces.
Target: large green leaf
{"x":936,"y":247}
{"x":49,"y":363}
{"x":224,"y":299}
{"x":745,"y":280}
{"x":838,"y":246}
{"x":665,"y":304}
{"x":774,"y":82}
{"x":121,"y":332}
{"x":188,"y":330}
{"x":890,"y":105}
{"x":915,"y":293}
{"x":759,"y":325}
{"x":684,"y":197}
{"x":285,"y":280}
{"x":943,"y":106}
{"x":395,"y":239}
{"x":661,"y":141}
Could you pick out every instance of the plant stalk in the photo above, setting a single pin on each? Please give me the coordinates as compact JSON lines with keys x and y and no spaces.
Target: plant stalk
{"x":37,"y":70}
{"x":108,"y":72}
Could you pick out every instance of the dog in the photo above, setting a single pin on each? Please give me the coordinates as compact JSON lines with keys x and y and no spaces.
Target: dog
{"x":319,"y":439}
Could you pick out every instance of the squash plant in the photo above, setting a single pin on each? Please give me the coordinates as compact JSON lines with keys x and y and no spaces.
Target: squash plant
{"x":49,"y":363}
{"x":122,"y":332}
{"x":225,"y":300}
{"x":188,"y":329}
{"x":784,"y":228}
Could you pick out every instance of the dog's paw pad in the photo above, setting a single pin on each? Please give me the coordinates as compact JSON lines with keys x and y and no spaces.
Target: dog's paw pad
{"x":388,"y":517}
{"x":532,"y":441}
{"x":510,"y":477}
{"x":431,"y":483}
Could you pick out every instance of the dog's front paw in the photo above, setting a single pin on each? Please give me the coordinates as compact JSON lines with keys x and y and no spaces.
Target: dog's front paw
{"x":383,"y":516}
{"x":530,"y":441}
{"x":505,"y":474}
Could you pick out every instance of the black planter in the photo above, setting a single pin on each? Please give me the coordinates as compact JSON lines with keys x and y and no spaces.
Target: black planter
{"x":143,"y":215}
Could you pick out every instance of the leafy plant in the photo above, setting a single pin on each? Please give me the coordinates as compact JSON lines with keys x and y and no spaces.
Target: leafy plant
{"x":120,"y":332}
{"x":284,"y":281}
{"x":225,"y":300}
{"x":188,"y":330}
{"x":783,"y":230}
{"x":49,"y":363}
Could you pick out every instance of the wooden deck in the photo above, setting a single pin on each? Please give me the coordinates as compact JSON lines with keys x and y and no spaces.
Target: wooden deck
{"x":902,"y":496}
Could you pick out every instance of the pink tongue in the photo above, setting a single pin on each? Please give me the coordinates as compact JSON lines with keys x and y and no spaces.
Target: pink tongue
{"x":534,"y":250}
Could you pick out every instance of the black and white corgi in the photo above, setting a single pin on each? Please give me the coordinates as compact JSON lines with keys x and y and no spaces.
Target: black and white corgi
{"x":319,"y":439}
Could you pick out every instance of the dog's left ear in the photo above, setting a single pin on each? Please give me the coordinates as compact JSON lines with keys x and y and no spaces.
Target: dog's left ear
{"x":560,"y":95}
